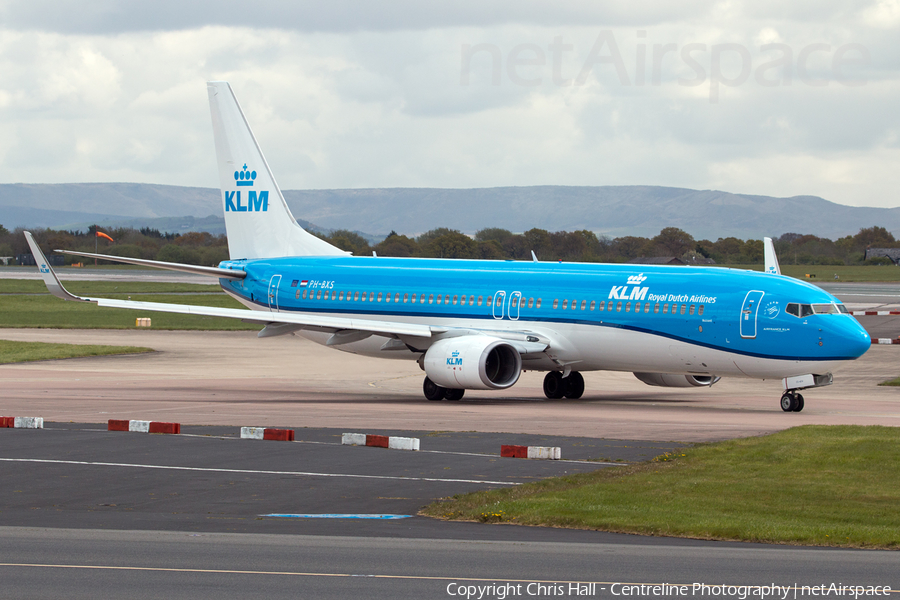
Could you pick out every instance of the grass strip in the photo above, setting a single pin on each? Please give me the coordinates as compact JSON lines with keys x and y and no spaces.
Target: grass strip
{"x":809,"y":485}
{"x":895,"y":382}
{"x":17,"y":352}
{"x":46,"y":311}
{"x":96,"y":288}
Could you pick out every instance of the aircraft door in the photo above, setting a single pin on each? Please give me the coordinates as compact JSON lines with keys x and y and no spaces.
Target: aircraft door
{"x":749,"y":310}
{"x":515,"y":301}
{"x":499,"y":304}
{"x":273,"y":292}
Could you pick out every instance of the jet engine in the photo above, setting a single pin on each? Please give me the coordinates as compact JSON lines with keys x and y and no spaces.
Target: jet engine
{"x":472,"y":362}
{"x":670,"y":380}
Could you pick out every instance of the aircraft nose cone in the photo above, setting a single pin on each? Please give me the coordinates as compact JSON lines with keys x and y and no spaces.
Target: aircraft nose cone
{"x":857,"y":340}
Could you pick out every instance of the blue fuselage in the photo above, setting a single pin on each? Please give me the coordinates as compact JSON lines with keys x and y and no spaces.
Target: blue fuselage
{"x":738,"y":313}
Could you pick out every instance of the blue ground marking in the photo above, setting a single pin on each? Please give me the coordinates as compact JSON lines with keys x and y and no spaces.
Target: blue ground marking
{"x":338,"y":516}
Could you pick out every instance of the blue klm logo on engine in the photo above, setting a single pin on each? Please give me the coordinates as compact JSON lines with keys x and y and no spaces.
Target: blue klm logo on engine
{"x":256,"y":202}
{"x":455,"y":360}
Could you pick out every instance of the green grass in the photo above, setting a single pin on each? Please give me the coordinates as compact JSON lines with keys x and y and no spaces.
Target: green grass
{"x":891,"y":382}
{"x":17,"y":352}
{"x":46,"y":311}
{"x":87,"y":288}
{"x":810,"y":485}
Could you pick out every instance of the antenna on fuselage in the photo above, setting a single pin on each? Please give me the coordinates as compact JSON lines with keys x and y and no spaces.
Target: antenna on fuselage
{"x":772,"y":266}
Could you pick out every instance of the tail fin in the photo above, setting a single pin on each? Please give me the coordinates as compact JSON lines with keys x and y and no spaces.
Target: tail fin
{"x":257,"y":219}
{"x":772,"y":266}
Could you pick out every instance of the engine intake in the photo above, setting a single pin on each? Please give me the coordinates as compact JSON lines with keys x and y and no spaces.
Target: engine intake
{"x":670,"y":380}
{"x":473,"y":362}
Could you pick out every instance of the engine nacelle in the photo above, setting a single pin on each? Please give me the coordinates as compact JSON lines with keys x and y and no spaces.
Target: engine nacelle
{"x":473,"y":362}
{"x":670,"y":380}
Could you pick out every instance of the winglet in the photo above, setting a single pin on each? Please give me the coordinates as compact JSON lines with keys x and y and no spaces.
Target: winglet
{"x":772,"y":266}
{"x":54,"y":286}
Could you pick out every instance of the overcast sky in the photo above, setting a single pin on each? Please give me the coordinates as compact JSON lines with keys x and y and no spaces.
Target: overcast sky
{"x":759,"y":97}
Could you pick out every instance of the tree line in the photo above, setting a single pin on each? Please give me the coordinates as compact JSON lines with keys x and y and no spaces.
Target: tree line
{"x":203,"y":248}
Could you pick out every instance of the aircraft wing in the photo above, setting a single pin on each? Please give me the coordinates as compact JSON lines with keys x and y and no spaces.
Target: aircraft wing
{"x":334,"y":324}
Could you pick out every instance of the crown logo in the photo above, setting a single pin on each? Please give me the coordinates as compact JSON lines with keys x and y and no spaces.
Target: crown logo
{"x":636,"y":279}
{"x":244,"y":177}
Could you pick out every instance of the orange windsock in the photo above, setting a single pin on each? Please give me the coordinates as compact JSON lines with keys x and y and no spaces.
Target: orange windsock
{"x":103,"y":235}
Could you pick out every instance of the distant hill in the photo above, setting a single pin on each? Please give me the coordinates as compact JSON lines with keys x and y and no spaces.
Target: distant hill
{"x":611,"y":210}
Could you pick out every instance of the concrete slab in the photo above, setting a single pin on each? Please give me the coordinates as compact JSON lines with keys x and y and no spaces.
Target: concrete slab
{"x":233,"y":378}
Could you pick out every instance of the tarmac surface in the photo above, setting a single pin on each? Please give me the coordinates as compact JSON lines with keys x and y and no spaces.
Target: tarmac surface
{"x":86,"y":513}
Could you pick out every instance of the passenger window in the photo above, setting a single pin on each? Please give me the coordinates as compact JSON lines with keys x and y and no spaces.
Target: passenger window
{"x":555,"y":303}
{"x":379,"y":296}
{"x":480,"y":298}
{"x":691,"y":311}
{"x":447,"y":299}
{"x":656,"y":308}
{"x":593,"y":304}
{"x":628,"y":307}
{"x":405,"y":298}
{"x":472,"y":300}
{"x":362,"y":297}
{"x":371,"y":296}
{"x":319,"y":295}
{"x":530,"y":302}
{"x":431,"y":299}
{"x":333,"y":295}
{"x":421,"y":298}
{"x":455,"y":299}
{"x":602,"y":305}
{"x":397,"y":297}
{"x":297,"y":295}
{"x":683,"y":308}
{"x":438,"y":298}
{"x":565,"y":304}
{"x":647,"y":307}
{"x":618,"y":307}
{"x":355,"y":296}
{"x":538,"y":303}
{"x":304,"y":294}
{"x":700,"y":310}
{"x":583,"y":304}
{"x":387,"y":297}
{"x":412,"y":299}
{"x":341,"y":296}
{"x":514,"y":302}
{"x":665,"y":309}
{"x":490,"y":300}
{"x":637,"y":307}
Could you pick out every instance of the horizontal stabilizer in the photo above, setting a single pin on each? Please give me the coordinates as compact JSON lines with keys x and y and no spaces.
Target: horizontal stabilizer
{"x":158,"y":264}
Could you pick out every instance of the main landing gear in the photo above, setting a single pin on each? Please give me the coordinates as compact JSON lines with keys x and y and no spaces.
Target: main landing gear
{"x":435,"y":392}
{"x":556,"y":386}
{"x":792,"y":402}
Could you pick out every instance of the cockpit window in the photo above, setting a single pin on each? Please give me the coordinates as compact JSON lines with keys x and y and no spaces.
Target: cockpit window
{"x":799,"y":310}
{"x":805,"y":310}
{"x":824,"y":309}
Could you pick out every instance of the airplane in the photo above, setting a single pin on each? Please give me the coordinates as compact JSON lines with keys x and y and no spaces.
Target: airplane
{"x":478,"y":324}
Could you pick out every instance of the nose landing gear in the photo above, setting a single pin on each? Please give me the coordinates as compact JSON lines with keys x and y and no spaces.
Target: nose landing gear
{"x":792,"y":402}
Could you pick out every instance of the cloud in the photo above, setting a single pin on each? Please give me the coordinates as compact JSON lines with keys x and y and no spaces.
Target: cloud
{"x":731,"y":95}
